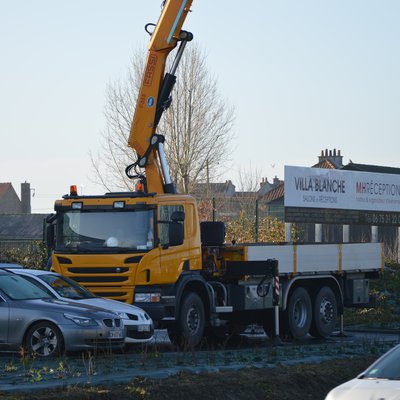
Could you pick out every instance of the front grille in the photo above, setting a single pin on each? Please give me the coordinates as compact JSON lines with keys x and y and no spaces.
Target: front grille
{"x":132,"y":333}
{"x":133,"y":260}
{"x":112,"y":323}
{"x":133,"y":317}
{"x":111,"y":294}
{"x":100,"y":270}
{"x":100,"y":279}
{"x":64,"y":260}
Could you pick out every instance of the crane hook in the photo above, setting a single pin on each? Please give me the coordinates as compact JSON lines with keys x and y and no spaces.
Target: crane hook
{"x":147,"y":30}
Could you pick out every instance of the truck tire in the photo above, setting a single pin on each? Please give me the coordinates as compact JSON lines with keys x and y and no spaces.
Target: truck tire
{"x":191,"y":323}
{"x":324,"y":313}
{"x":299,"y":313}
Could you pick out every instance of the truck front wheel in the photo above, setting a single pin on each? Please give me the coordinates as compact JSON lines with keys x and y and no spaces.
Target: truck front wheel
{"x":325,"y":313}
{"x":299,"y":313}
{"x":189,"y":329}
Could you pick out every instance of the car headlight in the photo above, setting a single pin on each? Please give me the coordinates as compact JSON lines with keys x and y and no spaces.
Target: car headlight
{"x":81,"y":321}
{"x":147,"y":297}
{"x":122,"y":315}
{"x":330,"y":396}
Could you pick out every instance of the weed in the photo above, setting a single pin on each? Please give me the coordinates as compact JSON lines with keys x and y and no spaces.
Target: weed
{"x":138,"y":388}
{"x":10,"y":367}
{"x":36,"y":375}
{"x":89,"y":363}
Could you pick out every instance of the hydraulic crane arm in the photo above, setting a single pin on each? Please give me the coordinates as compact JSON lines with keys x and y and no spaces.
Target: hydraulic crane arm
{"x":155,"y":96}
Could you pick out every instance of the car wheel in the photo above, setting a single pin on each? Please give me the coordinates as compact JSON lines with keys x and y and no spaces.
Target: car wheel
{"x":325,"y":313}
{"x":299,"y":313}
{"x":44,"y":339}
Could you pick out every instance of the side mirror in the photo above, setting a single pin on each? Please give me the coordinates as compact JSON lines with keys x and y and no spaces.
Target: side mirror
{"x":175,"y":233}
{"x":50,"y":234}
{"x":178,"y":216}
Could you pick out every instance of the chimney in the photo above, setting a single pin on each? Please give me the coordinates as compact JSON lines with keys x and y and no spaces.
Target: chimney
{"x":333,"y":156}
{"x":25,"y":198}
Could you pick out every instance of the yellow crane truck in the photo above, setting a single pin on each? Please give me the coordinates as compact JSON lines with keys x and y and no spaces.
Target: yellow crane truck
{"x":148,"y":247}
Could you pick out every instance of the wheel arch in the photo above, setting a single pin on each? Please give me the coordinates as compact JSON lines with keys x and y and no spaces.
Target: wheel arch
{"x":312,"y":284}
{"x":38,"y":321}
{"x":192,"y":283}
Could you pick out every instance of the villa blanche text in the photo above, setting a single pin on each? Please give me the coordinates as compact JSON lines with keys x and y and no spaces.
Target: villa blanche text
{"x":320,"y":185}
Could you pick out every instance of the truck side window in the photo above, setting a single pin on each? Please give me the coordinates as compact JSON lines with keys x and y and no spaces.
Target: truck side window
{"x":165,"y":216}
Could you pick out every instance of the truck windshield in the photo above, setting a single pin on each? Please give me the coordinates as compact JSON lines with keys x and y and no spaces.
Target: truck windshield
{"x":105,"y":231}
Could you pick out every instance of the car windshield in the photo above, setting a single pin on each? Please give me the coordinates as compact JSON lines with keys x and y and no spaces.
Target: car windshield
{"x":387,"y":368}
{"x":106,"y":231}
{"x":66,"y":287}
{"x":18,"y":288}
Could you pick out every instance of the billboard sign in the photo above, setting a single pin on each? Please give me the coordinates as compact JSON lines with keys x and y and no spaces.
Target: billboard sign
{"x":328,"y":195}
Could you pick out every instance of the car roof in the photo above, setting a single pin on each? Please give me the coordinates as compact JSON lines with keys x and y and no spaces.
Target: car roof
{"x":4,"y":272}
{"x":28,"y":271}
{"x":10,"y":265}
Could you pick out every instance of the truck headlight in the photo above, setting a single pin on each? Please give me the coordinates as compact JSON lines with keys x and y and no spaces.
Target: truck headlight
{"x":147,"y":297}
{"x":81,"y":321}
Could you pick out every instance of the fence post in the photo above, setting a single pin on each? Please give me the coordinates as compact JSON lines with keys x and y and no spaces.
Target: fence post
{"x":257,"y":221}
{"x":213,"y":209}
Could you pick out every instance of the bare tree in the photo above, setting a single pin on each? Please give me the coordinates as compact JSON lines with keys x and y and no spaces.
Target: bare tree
{"x":197,"y":126}
{"x":248,"y":185}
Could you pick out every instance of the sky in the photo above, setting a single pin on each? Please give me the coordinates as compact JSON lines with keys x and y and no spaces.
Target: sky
{"x":303,"y":76}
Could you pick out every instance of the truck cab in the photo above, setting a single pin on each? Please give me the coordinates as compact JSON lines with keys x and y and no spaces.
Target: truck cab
{"x":114,"y":242}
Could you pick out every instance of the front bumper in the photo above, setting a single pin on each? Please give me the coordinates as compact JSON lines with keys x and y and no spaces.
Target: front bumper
{"x":138,"y":332}
{"x":160,"y":311}
{"x":78,"y":338}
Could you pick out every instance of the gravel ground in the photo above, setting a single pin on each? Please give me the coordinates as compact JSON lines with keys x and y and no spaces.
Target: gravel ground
{"x":147,"y":368}
{"x":285,"y":382}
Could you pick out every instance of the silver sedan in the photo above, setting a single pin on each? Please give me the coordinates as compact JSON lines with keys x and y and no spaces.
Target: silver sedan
{"x":46,"y":326}
{"x":139,"y":326}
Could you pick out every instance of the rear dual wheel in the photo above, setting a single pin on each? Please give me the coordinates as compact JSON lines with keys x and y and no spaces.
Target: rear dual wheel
{"x":304,"y":316}
{"x":324,"y":313}
{"x":299,"y":313}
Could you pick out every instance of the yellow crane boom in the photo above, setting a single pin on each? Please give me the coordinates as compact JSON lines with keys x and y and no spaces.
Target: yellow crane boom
{"x":155,"y":97}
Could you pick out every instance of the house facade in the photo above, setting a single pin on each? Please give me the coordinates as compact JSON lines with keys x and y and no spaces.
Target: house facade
{"x":19,"y":228}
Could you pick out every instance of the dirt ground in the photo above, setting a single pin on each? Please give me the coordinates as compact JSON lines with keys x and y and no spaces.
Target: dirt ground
{"x":301,"y":381}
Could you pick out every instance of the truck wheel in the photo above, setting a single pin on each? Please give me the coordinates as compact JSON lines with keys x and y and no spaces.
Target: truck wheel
{"x":190,"y":327}
{"x":299,"y":313}
{"x":324,"y":313}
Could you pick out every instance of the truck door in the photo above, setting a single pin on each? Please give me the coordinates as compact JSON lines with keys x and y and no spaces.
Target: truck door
{"x":174,"y":256}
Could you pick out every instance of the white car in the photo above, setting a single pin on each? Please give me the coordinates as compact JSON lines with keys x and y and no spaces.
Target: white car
{"x":139,"y":326}
{"x":380,"y":381}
